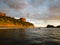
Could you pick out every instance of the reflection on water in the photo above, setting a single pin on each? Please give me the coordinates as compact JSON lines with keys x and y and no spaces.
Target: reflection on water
{"x":12,"y":36}
{"x":12,"y":33}
{"x":42,"y":36}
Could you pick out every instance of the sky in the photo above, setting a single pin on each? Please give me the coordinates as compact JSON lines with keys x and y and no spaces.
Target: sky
{"x":38,"y":12}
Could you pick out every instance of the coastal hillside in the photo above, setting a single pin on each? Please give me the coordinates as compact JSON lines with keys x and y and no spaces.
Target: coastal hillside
{"x":6,"y":21}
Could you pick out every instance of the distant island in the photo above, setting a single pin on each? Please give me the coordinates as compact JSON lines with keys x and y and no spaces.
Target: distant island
{"x":7,"y":21}
{"x":52,"y":26}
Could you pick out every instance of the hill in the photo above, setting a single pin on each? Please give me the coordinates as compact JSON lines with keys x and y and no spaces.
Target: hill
{"x":6,"y":21}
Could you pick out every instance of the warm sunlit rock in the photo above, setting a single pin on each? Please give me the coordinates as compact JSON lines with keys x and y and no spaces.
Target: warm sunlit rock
{"x":23,"y":19}
{"x":2,"y":14}
{"x":6,"y":21}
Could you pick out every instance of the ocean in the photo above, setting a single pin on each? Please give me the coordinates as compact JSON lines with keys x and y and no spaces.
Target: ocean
{"x":30,"y":36}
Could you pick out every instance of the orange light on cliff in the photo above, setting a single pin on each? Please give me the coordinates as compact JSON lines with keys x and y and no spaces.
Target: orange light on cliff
{"x":23,"y":19}
{"x":2,"y":14}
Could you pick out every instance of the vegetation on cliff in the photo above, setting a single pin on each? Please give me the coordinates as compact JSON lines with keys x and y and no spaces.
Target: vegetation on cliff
{"x":6,"y":21}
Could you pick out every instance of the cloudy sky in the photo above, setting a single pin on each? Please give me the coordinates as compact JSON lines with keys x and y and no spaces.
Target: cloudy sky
{"x":39,"y":12}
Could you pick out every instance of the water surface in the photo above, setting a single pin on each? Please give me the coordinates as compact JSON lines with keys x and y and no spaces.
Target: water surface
{"x":36,"y":36}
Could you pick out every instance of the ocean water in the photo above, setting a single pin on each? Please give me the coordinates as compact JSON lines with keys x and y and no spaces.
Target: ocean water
{"x":30,"y":36}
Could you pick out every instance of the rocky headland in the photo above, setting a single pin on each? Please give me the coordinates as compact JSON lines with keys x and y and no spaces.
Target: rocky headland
{"x":7,"y":21}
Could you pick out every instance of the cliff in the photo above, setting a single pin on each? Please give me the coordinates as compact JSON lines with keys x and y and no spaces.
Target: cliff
{"x":6,"y":21}
{"x":2,"y":14}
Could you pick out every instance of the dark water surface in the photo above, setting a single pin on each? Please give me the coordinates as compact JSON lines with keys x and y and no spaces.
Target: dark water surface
{"x":34,"y":36}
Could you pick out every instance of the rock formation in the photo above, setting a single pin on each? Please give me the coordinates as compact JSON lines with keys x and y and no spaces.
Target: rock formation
{"x":58,"y":26}
{"x":23,"y":19}
{"x":50,"y":26}
{"x":2,"y":14}
{"x":6,"y":21}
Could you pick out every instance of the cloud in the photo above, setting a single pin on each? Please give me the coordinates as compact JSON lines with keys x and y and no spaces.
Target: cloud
{"x":17,"y":4}
{"x":54,"y":9}
{"x":35,"y":9}
{"x":13,"y":7}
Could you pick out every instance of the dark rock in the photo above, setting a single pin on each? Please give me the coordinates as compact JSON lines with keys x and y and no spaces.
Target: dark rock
{"x":50,"y":26}
{"x":58,"y":26}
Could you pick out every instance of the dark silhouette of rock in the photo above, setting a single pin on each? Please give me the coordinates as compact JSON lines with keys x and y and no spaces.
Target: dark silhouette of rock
{"x":50,"y":26}
{"x":58,"y":26}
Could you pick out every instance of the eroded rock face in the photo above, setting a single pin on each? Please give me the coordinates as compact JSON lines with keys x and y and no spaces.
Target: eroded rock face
{"x":23,"y":19}
{"x":2,"y":14}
